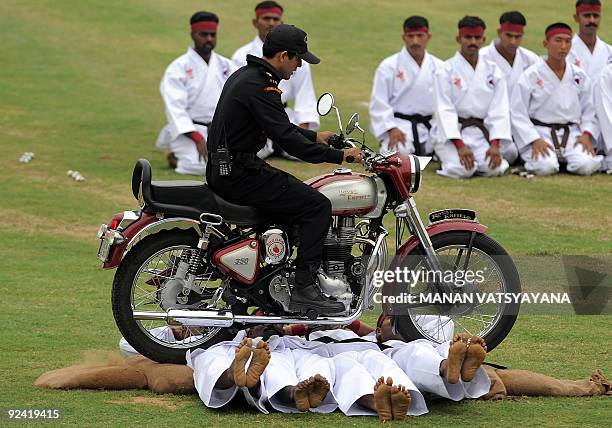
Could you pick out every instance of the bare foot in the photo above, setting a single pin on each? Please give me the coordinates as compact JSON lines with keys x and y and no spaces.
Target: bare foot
{"x":300,"y":395}
{"x":243,"y":352}
{"x":400,"y":402}
{"x":261,"y":358}
{"x":456,"y":355}
{"x":601,"y":381}
{"x":318,"y":391}
{"x":382,"y":399}
{"x":476,"y":353}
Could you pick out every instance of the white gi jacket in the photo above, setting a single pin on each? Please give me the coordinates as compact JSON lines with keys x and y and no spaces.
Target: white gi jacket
{"x":298,"y":88}
{"x":603,"y":106}
{"x":539,"y":94}
{"x":462,"y":91}
{"x":190,"y":89}
{"x":593,"y":63}
{"x":524,"y":59}
{"x":402,"y":86}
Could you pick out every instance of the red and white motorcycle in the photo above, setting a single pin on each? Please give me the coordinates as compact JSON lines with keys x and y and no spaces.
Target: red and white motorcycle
{"x":193,"y":268}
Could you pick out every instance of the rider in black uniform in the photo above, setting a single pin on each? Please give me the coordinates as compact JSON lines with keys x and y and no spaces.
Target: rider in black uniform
{"x":250,"y":111}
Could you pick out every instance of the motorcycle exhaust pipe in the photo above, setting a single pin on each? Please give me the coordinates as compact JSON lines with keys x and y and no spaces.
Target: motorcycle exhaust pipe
{"x":213,"y":318}
{"x":206,"y":318}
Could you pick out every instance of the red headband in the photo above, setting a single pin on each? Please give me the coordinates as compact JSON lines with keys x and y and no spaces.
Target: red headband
{"x":268,"y":10}
{"x":558,"y":30}
{"x":588,"y":8}
{"x":471,"y":31}
{"x":512,"y":28}
{"x":416,"y":30}
{"x":203,"y":26}
{"x":381,"y":319}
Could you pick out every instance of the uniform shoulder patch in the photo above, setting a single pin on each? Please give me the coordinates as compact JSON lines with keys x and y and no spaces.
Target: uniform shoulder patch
{"x":273,"y":89}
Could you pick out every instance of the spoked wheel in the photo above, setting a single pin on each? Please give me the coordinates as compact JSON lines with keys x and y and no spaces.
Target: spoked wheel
{"x":146,"y":283}
{"x":478,"y":309}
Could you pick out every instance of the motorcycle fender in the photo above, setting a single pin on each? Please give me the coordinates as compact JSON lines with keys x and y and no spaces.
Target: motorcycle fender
{"x":441,"y":227}
{"x":147,"y":224}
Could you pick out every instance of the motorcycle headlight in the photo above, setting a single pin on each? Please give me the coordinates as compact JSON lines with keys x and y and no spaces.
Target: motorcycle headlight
{"x":415,"y":174}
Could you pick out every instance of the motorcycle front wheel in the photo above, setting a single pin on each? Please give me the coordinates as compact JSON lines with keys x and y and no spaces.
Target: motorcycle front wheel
{"x":479,"y":308}
{"x":144,"y":282}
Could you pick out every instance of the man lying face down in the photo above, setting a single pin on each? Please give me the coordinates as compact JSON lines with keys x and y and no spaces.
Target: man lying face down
{"x":290,"y":374}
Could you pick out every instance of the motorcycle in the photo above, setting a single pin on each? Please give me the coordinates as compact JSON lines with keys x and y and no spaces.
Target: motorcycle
{"x":194,"y":268}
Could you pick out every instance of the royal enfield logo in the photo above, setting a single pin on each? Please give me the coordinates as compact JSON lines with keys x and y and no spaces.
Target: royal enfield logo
{"x":353,"y":195}
{"x":242,"y":261}
{"x":275,"y":248}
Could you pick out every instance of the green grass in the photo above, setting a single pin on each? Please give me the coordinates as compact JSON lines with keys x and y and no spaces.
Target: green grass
{"x":80,"y":89}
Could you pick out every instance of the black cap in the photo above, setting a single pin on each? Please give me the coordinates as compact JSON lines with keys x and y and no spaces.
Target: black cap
{"x":290,"y":38}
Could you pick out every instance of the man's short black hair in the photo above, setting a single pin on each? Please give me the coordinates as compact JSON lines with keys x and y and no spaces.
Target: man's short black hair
{"x":203,"y":16}
{"x":471,"y":21}
{"x":588,"y":2}
{"x":269,"y":51}
{"x":268,"y":4}
{"x":415,"y":22}
{"x":557,"y":25}
{"x":513,"y":17}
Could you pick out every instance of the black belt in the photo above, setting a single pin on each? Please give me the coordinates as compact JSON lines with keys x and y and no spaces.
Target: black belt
{"x":466,"y":122}
{"x":554,"y":127}
{"x":207,"y":124}
{"x":415,"y":119}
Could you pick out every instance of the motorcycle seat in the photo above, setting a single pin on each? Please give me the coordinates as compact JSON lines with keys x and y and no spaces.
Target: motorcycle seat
{"x":188,"y":198}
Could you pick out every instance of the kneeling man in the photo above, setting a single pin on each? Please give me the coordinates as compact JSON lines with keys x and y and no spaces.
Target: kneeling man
{"x":553,"y":117}
{"x":472,"y":120}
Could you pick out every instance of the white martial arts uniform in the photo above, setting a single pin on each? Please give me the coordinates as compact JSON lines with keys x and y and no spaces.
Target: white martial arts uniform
{"x":298,"y":88}
{"x":402,"y":86}
{"x":603,"y":106}
{"x":593,"y":63}
{"x":461,"y":91}
{"x":190,"y":89}
{"x":421,"y":360}
{"x":540,"y":95}
{"x":209,"y":364}
{"x":523,"y":59}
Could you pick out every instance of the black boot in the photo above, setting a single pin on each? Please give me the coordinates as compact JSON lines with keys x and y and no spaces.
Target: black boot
{"x":305,"y":299}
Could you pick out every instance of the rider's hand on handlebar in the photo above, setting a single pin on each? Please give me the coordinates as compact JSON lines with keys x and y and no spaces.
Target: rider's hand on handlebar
{"x":353,"y":155}
{"x":324,"y":136}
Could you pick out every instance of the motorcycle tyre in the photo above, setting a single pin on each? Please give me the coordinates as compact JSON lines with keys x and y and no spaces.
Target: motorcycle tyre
{"x":404,"y":324}
{"x":121,"y":300}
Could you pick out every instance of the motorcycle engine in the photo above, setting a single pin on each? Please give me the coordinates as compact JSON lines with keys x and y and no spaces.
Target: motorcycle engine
{"x":340,"y":268}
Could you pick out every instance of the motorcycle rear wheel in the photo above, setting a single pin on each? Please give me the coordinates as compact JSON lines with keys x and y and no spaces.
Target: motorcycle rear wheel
{"x":137,"y":285}
{"x":488,"y":255}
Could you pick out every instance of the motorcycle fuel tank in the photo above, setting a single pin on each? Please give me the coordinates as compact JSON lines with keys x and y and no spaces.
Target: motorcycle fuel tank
{"x":350,"y":193}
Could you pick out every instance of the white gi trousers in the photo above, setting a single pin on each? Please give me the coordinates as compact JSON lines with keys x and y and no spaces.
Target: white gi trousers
{"x":356,"y":375}
{"x":476,"y":142}
{"x":578,"y":161}
{"x":288,"y":367}
{"x":421,"y":360}
{"x":186,"y":152}
{"x":209,"y":364}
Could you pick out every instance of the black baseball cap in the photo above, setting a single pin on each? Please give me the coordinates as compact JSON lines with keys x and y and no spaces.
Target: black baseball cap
{"x":290,"y":38}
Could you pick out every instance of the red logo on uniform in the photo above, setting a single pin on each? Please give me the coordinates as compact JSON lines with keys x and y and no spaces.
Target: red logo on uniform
{"x":577,"y":62}
{"x":189,"y":72}
{"x":540,"y":83}
{"x":457,"y":82}
{"x":400,"y":75}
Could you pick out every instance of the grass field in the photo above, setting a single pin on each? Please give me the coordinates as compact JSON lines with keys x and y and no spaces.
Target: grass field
{"x":79,"y":87}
